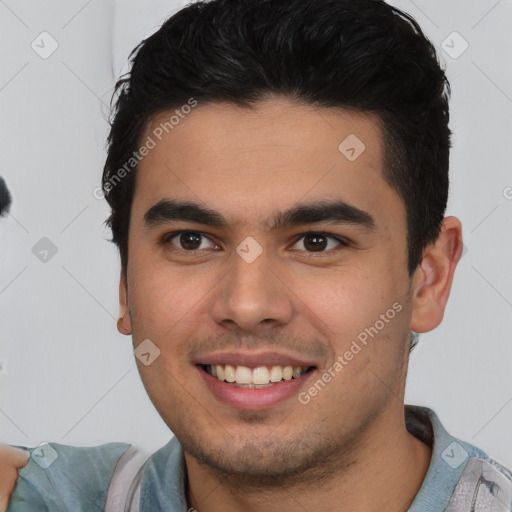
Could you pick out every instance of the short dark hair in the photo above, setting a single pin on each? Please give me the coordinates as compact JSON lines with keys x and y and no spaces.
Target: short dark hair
{"x":5,"y":198}
{"x":362,"y":55}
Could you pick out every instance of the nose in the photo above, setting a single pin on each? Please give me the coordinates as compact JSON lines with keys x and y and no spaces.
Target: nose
{"x":253,"y":297}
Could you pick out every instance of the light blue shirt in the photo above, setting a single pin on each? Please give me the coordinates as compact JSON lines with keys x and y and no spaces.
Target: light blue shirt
{"x":460,"y":476}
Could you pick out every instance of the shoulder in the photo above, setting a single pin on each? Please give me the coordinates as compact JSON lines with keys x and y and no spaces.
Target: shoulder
{"x":61,"y":478}
{"x":484,"y":485}
{"x":461,"y":477}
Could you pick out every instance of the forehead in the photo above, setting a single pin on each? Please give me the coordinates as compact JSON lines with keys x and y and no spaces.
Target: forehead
{"x":249,"y":163}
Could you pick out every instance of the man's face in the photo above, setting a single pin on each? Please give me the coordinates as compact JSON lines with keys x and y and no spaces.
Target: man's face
{"x":284,"y":298}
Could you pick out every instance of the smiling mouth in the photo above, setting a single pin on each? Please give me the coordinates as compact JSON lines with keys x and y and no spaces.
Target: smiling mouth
{"x":257,"y":377}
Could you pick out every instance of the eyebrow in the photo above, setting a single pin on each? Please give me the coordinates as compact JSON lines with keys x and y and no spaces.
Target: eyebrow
{"x":335,"y":211}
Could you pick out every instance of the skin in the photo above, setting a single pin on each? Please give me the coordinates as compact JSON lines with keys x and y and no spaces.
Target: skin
{"x":11,"y":460}
{"x":348,"y":448}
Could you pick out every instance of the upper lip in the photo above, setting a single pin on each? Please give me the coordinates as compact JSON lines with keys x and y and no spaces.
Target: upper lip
{"x":253,"y":359}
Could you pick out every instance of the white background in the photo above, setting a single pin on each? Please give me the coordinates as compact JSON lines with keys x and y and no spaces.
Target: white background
{"x":68,"y":376}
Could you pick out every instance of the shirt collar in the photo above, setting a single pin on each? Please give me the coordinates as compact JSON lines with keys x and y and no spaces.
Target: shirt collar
{"x":449,"y":456}
{"x":164,"y":479}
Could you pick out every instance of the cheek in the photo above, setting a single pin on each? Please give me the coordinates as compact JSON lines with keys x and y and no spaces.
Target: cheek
{"x":363,"y":318}
{"x":162,"y":300}
{"x":347,"y":301}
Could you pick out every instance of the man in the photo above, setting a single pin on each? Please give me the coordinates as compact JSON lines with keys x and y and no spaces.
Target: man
{"x":277,"y":173}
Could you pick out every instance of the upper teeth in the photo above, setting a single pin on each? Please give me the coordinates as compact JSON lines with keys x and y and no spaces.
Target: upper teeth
{"x":260,"y":375}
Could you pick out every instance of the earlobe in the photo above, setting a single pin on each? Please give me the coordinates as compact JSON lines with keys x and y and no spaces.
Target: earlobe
{"x":124,"y":324}
{"x":433,"y":278}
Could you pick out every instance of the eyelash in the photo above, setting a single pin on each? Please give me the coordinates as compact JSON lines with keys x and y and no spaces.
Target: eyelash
{"x":169,"y":236}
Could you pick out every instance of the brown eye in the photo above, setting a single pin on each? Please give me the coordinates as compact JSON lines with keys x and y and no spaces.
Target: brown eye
{"x":318,"y":242}
{"x":314,"y":242}
{"x":187,"y":241}
{"x":190,"y":241}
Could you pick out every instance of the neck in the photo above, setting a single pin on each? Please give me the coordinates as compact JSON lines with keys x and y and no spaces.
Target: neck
{"x":385,"y":470}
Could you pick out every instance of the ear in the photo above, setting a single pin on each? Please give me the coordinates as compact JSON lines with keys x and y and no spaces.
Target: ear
{"x":124,"y":324}
{"x":432,"y":280}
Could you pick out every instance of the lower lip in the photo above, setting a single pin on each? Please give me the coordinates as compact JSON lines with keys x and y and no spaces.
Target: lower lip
{"x":254,"y":399}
